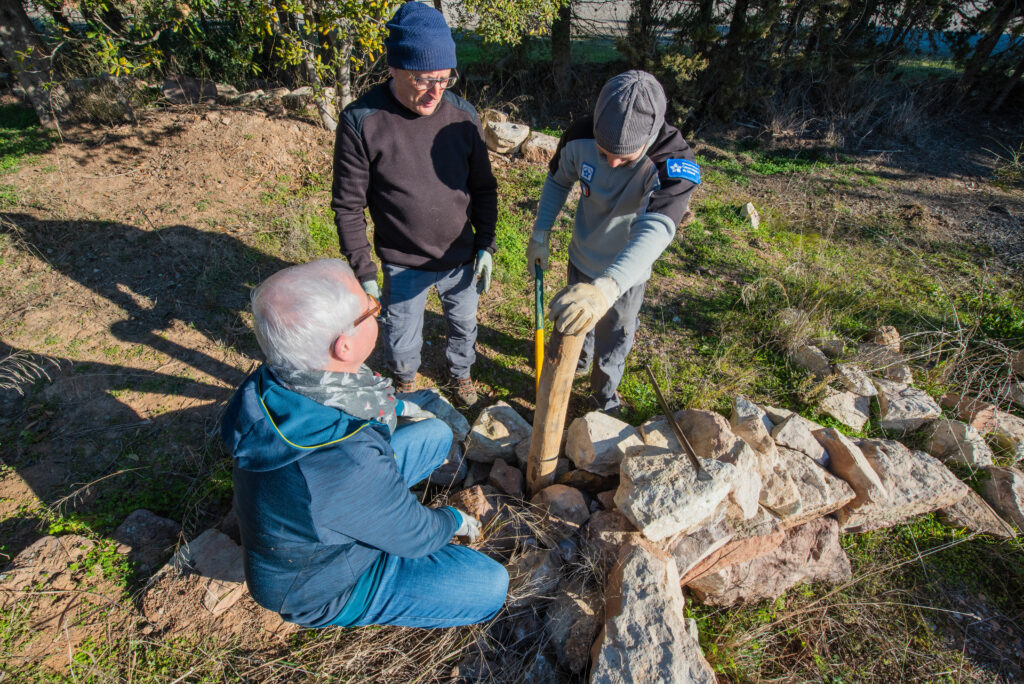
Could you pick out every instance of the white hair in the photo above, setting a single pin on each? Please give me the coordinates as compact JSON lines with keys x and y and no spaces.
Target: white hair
{"x":299,"y":311}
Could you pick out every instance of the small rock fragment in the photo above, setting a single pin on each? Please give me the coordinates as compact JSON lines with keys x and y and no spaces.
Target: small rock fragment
{"x":904,"y":408}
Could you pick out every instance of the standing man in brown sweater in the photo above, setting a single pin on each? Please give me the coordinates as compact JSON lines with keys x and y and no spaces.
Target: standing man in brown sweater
{"x":412,"y":152}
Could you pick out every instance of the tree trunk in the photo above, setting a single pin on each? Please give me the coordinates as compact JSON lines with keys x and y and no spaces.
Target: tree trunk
{"x":17,"y":35}
{"x":1008,"y":88}
{"x":561,"y":47}
{"x":985,"y":46}
{"x":345,"y":93}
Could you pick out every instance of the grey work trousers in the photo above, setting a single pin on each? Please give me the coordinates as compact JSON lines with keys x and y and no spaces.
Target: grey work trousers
{"x":610,"y":342}
{"x":404,"y":301}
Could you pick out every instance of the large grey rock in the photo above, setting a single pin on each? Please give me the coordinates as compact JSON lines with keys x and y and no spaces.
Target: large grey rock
{"x":916,"y":483}
{"x":495,"y":434}
{"x":972,"y":513}
{"x":644,"y":638}
{"x":250,"y":99}
{"x":226,"y":93}
{"x":853,"y":378}
{"x":505,"y":137}
{"x":847,"y":462}
{"x":539,"y":148}
{"x":749,"y":539}
{"x":710,"y":436}
{"x":849,"y":408}
{"x":904,"y":408}
{"x":571,"y":624}
{"x":810,"y":553}
{"x":187,"y":90}
{"x":953,"y":441}
{"x":820,"y":492}
{"x":433,"y":405}
{"x":811,"y":359}
{"x":218,"y":559}
{"x":148,"y":537}
{"x":1004,"y":491}
{"x":298,"y":99}
{"x":597,"y":442}
{"x":659,"y":491}
{"x":533,"y":576}
{"x":880,"y":359}
{"x":795,"y":433}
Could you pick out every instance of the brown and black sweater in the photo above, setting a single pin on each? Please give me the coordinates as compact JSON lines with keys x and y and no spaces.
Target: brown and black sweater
{"x":427,"y":181}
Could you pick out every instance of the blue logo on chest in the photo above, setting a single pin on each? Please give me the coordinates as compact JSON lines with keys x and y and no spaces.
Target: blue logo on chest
{"x":587,"y":172}
{"x":683,"y":168}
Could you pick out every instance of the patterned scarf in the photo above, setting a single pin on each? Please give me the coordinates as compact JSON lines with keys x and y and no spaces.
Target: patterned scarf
{"x":364,"y":394}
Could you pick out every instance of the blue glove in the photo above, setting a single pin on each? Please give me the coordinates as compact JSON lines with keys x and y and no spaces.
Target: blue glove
{"x":482,"y":272}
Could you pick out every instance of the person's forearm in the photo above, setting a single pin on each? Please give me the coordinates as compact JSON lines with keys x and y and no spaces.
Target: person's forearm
{"x":649,"y":235}
{"x":552,"y":199}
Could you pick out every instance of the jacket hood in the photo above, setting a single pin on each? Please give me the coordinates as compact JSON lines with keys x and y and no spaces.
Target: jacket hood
{"x":267,"y":426}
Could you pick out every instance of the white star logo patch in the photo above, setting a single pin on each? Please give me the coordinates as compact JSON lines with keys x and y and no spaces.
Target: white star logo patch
{"x":676,"y":168}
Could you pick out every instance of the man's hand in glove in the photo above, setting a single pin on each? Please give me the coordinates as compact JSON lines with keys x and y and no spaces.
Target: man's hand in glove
{"x":538,"y":249}
{"x":577,"y":309}
{"x":482,"y":272}
{"x":470,"y":526}
{"x":371,"y":288}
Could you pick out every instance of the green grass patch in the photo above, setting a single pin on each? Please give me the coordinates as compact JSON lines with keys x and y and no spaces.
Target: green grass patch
{"x":21,"y":137}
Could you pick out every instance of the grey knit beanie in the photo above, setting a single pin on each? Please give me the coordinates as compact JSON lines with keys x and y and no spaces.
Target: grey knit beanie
{"x":419,"y":39}
{"x":629,"y":110}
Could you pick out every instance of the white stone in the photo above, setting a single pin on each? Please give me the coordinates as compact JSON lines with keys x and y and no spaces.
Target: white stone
{"x":644,"y":638}
{"x":820,"y":492}
{"x":751,"y":423}
{"x":660,"y":493}
{"x":298,"y":99}
{"x":953,"y":441}
{"x":539,"y":148}
{"x":850,"y":409}
{"x":495,"y":434}
{"x":505,"y":137}
{"x":904,"y":408}
{"x":750,"y":213}
{"x":795,"y":433}
{"x":847,"y":462}
{"x":916,"y":484}
{"x":853,"y":378}
{"x":598,"y":442}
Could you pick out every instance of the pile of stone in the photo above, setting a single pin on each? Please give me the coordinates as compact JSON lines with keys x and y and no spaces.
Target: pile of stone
{"x":629,"y":504}
{"x":506,"y":137}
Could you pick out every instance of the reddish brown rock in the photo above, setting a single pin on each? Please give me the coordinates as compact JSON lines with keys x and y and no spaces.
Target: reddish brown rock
{"x":506,"y":478}
{"x":563,"y":502}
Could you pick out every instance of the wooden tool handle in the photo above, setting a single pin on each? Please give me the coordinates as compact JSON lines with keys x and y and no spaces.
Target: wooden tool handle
{"x":552,"y":403}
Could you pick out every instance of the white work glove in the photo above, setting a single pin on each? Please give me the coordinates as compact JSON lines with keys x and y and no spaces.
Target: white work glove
{"x":482,"y":271}
{"x":538,"y":249}
{"x":577,"y":309}
{"x":371,"y":288}
{"x":470,"y":526}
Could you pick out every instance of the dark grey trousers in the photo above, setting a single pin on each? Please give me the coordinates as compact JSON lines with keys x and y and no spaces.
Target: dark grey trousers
{"x":404,"y":300}
{"x":610,"y":342}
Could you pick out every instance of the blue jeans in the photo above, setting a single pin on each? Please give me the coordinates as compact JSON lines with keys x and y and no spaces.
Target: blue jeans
{"x":453,"y":586}
{"x":404,"y":300}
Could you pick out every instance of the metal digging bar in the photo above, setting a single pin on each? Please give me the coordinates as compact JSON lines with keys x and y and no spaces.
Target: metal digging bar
{"x":702,"y":474}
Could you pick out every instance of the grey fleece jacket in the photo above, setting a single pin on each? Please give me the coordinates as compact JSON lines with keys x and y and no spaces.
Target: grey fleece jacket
{"x":626,"y":216}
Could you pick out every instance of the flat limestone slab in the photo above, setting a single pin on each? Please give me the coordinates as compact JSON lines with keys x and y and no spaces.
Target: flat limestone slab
{"x":810,"y":553}
{"x":916,"y":482}
{"x":659,"y":491}
{"x":644,"y":638}
{"x":820,"y":491}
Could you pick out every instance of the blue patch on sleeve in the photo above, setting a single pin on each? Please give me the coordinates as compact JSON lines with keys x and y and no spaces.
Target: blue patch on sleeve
{"x":683,"y":168}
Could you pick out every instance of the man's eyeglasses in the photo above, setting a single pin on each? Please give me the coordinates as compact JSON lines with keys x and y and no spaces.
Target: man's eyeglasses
{"x":424,"y":83}
{"x":371,"y":312}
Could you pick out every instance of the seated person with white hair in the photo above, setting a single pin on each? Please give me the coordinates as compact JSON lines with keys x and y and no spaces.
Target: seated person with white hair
{"x":332,"y":534}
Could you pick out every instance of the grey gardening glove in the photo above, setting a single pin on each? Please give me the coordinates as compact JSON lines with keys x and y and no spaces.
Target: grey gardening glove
{"x":482,"y":272}
{"x":538,"y":249}
{"x":371,"y":288}
{"x":577,"y":309}
{"x":470,"y":526}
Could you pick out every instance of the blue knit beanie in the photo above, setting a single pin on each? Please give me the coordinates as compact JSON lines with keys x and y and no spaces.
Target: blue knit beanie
{"x":419,"y":39}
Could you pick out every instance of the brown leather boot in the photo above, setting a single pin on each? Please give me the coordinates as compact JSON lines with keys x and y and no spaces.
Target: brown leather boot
{"x":465,"y":392}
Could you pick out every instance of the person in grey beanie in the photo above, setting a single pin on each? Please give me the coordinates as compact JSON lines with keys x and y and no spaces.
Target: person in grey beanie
{"x":412,"y":152}
{"x":636,"y":174}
